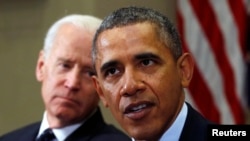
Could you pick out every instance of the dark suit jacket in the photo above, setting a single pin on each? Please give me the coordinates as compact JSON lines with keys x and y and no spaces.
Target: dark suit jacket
{"x":195,"y":127}
{"x":94,"y":129}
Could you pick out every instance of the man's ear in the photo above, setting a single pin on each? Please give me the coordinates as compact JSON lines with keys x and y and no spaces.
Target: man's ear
{"x":99,"y":91}
{"x":40,"y":66}
{"x":185,"y":65}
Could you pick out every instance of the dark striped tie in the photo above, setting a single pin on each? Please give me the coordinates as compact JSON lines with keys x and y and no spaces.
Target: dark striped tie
{"x":47,"y":135}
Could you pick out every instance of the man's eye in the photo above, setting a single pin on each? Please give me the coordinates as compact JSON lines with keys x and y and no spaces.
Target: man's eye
{"x":111,"y":71}
{"x":90,"y":73}
{"x":147,"y":62}
{"x":64,"y":66}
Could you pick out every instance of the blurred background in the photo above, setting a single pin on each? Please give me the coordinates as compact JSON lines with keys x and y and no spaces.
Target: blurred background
{"x":215,"y":32}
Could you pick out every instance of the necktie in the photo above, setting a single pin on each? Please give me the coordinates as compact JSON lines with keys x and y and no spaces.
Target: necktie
{"x":47,"y":135}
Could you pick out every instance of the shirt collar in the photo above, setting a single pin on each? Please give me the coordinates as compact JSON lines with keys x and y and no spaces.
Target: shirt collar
{"x":60,"y":133}
{"x":174,"y":132}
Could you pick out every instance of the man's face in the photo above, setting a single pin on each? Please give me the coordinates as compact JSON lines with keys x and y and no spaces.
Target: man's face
{"x":138,"y":78}
{"x":67,"y":89}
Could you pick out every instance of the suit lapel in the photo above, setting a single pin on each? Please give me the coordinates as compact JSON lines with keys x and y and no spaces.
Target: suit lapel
{"x":195,"y":126}
{"x":30,"y":133}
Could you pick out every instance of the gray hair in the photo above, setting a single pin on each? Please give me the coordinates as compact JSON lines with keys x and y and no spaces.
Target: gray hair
{"x":132,"y":15}
{"x":88,"y":22}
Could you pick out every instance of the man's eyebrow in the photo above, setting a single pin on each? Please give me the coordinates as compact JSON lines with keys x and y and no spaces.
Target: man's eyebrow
{"x":108,"y":65}
{"x":113,"y":63}
{"x":63,"y":60}
{"x":145,"y":56}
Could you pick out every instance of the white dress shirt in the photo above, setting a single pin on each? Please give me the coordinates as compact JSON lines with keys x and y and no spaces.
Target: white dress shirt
{"x":60,"y":133}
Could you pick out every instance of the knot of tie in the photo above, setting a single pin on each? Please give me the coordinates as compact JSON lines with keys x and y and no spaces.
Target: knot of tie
{"x":47,"y":135}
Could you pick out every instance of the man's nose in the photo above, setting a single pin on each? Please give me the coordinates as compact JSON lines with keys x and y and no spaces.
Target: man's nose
{"x":73,"y":80}
{"x":132,"y":83}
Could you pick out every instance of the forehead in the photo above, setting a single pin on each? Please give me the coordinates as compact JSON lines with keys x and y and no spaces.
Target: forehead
{"x":70,"y":33}
{"x":144,"y":29}
{"x":126,"y":41}
{"x":139,"y":33}
{"x":72,"y":41}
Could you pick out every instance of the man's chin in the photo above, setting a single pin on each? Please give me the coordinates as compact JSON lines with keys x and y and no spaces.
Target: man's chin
{"x":65,"y":114}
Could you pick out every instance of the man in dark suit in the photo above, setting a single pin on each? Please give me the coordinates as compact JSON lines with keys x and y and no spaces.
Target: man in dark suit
{"x":64,"y":68}
{"x":141,"y":73}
